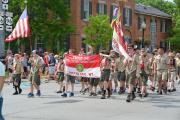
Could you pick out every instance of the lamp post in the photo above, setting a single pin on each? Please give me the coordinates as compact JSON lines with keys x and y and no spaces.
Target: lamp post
{"x":143,"y":27}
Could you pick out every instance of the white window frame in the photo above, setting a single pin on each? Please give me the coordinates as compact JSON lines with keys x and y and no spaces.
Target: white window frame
{"x":163,"y":26}
{"x":142,"y":18}
{"x":127,"y":16}
{"x":86,"y":9}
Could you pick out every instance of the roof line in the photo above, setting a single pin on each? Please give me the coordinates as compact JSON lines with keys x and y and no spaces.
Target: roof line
{"x":152,"y":15}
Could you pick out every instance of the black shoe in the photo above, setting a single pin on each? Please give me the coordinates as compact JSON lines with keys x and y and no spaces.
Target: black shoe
{"x":165,"y":90}
{"x":133,"y":96}
{"x":99,"y":92}
{"x":15,"y":93}
{"x":103,"y":97}
{"x":159,"y":92}
{"x":94,"y":94}
{"x":91,"y":94}
{"x":59,"y":91}
{"x":169,"y":90}
{"x":173,"y":90}
{"x":38,"y":93}
{"x":128,"y":98}
{"x":145,"y":95}
{"x":64,"y":95}
{"x":20,"y":90}
{"x":139,"y":90}
{"x":140,"y":95}
{"x":152,"y":88}
{"x":134,"y":89}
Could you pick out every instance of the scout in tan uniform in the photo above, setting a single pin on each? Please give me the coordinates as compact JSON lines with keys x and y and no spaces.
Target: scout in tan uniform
{"x":17,"y":71}
{"x":152,"y":72}
{"x":113,"y":73}
{"x":121,"y":75}
{"x":161,"y":67}
{"x":172,"y":73}
{"x":93,"y":82}
{"x":144,"y":72}
{"x":83,"y":80}
{"x":131,"y":72}
{"x":178,"y":66}
{"x":34,"y":76}
{"x":60,"y":72}
{"x":106,"y":65}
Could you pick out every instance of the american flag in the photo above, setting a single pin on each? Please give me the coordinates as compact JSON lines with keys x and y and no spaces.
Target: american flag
{"x":21,"y":29}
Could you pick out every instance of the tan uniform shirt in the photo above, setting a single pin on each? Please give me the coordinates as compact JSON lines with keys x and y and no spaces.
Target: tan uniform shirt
{"x":161,"y":62}
{"x":146,"y":64}
{"x":18,"y":67}
{"x":132,"y":64}
{"x":178,"y":62}
{"x":120,"y":65}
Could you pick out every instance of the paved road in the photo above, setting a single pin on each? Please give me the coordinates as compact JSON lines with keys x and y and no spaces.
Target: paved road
{"x":51,"y":106}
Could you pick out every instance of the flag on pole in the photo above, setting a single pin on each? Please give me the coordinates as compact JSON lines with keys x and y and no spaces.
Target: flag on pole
{"x":21,"y":29}
{"x":118,"y":43}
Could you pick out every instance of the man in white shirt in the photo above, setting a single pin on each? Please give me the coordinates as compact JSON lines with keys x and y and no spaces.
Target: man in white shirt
{"x":2,"y":75}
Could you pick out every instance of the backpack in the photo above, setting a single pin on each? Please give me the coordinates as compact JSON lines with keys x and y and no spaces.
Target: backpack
{"x":52,"y":60}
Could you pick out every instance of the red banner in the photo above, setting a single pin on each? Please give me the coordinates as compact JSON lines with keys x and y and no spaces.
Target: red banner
{"x":83,"y":65}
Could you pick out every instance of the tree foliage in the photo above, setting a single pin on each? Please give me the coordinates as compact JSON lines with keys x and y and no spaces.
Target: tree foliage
{"x":49,"y":20}
{"x":98,"y":32}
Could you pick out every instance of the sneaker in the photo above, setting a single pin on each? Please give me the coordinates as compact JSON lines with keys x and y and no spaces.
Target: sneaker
{"x":59,"y":91}
{"x":64,"y":95}
{"x":38,"y":93}
{"x":30,"y":95}
{"x":15,"y":93}
{"x":71,"y":94}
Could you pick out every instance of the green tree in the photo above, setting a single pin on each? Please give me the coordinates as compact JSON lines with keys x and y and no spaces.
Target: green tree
{"x":49,"y":20}
{"x":98,"y":32}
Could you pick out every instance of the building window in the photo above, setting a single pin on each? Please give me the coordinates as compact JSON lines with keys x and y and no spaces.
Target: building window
{"x":68,"y":3}
{"x":86,"y":9}
{"x":141,"y":19}
{"x":112,"y":9}
{"x":101,"y":8}
{"x":127,"y":16}
{"x":163,"y":26}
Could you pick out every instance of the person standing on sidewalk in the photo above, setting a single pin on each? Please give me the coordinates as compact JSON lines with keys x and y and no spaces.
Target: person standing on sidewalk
{"x":2,"y":75}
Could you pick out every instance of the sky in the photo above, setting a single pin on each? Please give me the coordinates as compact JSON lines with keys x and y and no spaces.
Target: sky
{"x":170,"y":0}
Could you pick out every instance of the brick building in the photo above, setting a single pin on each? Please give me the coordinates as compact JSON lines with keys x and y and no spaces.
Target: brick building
{"x":133,"y":15}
